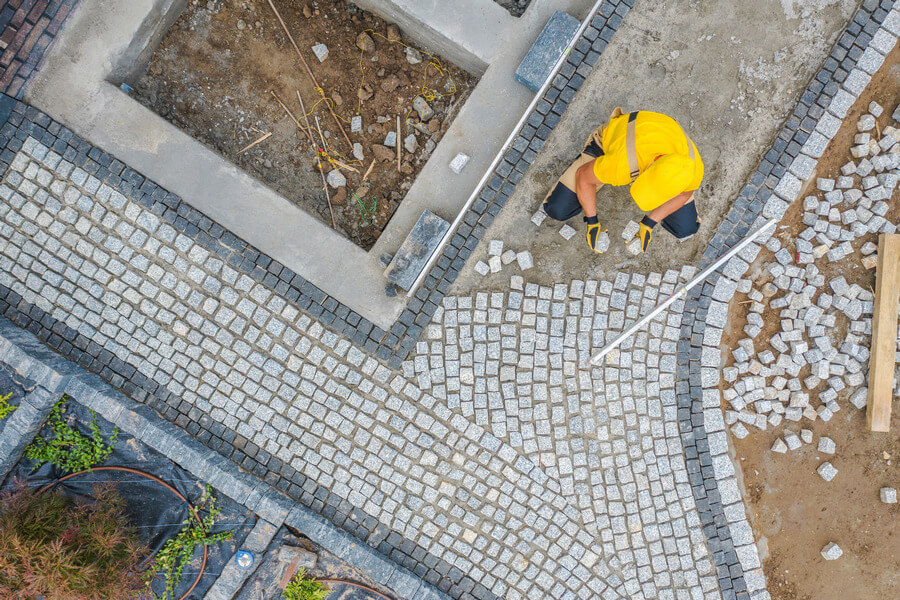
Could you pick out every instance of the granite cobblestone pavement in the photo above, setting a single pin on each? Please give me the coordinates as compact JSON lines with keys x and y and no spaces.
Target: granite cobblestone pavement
{"x":593,"y":502}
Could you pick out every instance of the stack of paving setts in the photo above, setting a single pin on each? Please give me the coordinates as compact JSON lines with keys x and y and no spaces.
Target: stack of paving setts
{"x":825,"y":323}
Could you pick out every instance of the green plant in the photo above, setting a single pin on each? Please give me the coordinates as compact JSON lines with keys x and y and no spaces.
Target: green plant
{"x":5,"y":407}
{"x":178,"y":551}
{"x":69,"y":449}
{"x":54,"y":548}
{"x":303,"y":587}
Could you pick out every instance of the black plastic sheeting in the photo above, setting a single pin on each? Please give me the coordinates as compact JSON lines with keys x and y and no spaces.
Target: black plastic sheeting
{"x":156,"y":512}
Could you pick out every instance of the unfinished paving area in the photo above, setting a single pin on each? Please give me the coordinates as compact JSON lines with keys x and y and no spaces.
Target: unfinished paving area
{"x":795,"y":381}
{"x":218,"y":69}
{"x":729,"y":85}
{"x":492,"y":462}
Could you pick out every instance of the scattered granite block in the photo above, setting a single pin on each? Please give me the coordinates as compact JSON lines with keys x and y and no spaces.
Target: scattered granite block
{"x":546,"y":50}
{"x":827,"y":471}
{"x":410,"y":259}
{"x":826,"y":445}
{"x":888,"y":495}
{"x":321,"y":52}
{"x":525,"y":260}
{"x":567,"y":232}
{"x":459,"y":162}
{"x":832,"y":551}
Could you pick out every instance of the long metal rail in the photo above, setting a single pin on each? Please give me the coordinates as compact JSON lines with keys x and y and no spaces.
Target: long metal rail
{"x":509,"y":141}
{"x":679,"y":293}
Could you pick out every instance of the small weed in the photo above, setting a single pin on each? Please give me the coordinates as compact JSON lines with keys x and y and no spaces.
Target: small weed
{"x":6,"y":408}
{"x":303,"y":587}
{"x":69,"y":449}
{"x":178,"y":551}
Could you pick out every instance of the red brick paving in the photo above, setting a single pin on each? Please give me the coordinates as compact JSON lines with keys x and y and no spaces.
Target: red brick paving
{"x":27,"y":28}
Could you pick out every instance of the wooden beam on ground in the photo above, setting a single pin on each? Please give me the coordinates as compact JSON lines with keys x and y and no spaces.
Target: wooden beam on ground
{"x":884,"y":333}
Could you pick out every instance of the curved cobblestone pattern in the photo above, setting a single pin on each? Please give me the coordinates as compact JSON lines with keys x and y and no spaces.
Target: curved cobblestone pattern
{"x":606,"y":436}
{"x":777,"y":182}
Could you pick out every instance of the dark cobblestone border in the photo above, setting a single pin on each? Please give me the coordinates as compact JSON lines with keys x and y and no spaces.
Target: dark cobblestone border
{"x":799,"y":132}
{"x":27,"y":28}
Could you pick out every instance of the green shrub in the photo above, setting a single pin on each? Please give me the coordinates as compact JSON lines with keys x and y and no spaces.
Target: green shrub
{"x":5,"y":407}
{"x":58,"y":549}
{"x":69,"y":449}
{"x":178,"y":551}
{"x":303,"y":587}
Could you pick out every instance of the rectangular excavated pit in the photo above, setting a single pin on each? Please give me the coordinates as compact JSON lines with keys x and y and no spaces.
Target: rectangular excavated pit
{"x":214,"y":69}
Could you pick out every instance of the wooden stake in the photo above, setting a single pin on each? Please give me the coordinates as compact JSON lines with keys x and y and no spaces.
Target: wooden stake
{"x":310,"y":73}
{"x":342,"y":165}
{"x":300,"y":127}
{"x":369,"y":170}
{"x":325,"y":181}
{"x":884,"y":333}
{"x":398,"y":143}
{"x":251,"y":144}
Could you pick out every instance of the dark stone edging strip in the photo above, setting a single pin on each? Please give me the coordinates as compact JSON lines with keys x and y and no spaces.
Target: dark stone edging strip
{"x":775,"y":183}
{"x":54,"y":375}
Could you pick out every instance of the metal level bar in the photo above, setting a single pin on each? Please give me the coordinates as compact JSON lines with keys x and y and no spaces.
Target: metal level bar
{"x":638,"y":325}
{"x":512,"y":136}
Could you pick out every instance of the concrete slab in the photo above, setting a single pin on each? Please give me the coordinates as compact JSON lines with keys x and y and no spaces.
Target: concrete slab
{"x":728,"y":72}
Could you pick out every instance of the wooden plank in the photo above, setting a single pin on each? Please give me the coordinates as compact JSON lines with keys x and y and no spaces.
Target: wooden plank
{"x":884,"y":333}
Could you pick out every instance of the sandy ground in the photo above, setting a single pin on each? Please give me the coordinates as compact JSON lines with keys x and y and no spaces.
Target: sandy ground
{"x":795,"y":513}
{"x":728,"y":81}
{"x":214,"y":73}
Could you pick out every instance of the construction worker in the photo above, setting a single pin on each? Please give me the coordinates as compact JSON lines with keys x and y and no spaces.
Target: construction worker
{"x":651,"y":152}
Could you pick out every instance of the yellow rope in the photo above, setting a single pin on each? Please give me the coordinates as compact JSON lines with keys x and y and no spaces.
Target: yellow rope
{"x":427,"y":93}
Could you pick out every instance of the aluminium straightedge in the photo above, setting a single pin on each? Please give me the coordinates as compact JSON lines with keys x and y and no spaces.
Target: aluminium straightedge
{"x":499,"y":157}
{"x":682,"y":291}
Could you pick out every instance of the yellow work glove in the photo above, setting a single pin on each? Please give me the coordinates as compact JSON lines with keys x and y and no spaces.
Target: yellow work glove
{"x":645,"y":232}
{"x":593,"y":232}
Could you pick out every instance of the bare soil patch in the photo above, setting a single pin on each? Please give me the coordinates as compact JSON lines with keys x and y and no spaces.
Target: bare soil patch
{"x":794,"y":512}
{"x":215,"y":71}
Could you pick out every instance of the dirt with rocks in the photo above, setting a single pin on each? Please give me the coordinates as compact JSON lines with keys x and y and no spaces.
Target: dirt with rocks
{"x":216,"y":70}
{"x":795,"y":513}
{"x":515,"y":7}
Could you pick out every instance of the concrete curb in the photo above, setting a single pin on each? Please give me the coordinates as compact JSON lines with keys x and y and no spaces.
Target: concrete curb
{"x":29,"y":357}
{"x":777,"y":183}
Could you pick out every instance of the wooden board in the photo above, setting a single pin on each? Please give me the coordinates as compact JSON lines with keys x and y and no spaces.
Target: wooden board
{"x":884,"y":333}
